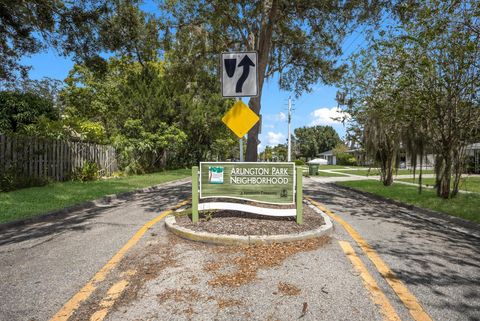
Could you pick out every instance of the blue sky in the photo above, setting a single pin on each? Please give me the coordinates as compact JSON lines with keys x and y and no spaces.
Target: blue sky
{"x":315,"y":108}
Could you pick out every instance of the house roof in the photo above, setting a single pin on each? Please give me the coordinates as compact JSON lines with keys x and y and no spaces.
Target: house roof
{"x":327,"y":153}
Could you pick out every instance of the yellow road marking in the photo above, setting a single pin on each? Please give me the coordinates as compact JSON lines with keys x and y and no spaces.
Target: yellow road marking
{"x":378,"y":297}
{"x":67,"y":310}
{"x":112,"y":295}
{"x":408,"y":299}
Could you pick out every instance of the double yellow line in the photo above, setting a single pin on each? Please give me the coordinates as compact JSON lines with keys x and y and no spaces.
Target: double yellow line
{"x":407,"y":298}
{"x":74,"y":303}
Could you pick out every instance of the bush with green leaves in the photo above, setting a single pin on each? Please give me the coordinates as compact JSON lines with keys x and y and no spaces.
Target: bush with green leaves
{"x":346,"y":159}
{"x":299,"y":162}
{"x":12,"y":178}
{"x":142,"y":151}
{"x":88,"y":172}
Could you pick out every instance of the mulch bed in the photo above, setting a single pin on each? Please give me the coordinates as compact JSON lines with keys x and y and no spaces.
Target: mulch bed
{"x":241,"y":223}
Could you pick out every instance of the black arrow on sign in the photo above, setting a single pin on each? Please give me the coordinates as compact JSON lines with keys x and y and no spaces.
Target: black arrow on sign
{"x":246,"y":62}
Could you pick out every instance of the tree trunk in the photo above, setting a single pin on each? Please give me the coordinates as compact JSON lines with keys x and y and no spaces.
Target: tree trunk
{"x":444,"y":188}
{"x":388,"y":171}
{"x":264,"y":46}
{"x":458,"y":167}
{"x":438,"y":173}
{"x":252,"y":140}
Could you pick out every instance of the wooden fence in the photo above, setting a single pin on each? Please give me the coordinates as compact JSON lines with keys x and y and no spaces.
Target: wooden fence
{"x":56,"y":159}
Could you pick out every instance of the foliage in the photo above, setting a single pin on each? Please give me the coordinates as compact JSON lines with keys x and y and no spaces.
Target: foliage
{"x":312,"y":141}
{"x":146,"y":108}
{"x":299,"y":162}
{"x":142,"y":151}
{"x":343,"y":156}
{"x":418,"y":84}
{"x":346,"y":159}
{"x":88,"y":172}
{"x":18,"y":110}
{"x":278,"y":153}
{"x":299,"y":40}
{"x":27,"y":27}
{"x":11,"y":179}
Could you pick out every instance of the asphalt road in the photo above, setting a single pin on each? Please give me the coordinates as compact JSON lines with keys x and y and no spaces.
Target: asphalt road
{"x":43,"y":265}
{"x":438,"y":264}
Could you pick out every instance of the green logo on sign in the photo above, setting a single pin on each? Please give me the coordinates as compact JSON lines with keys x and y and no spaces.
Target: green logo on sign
{"x":215,"y":175}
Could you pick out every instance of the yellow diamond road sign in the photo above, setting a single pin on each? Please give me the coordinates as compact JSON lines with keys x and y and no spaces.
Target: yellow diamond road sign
{"x":240,"y":119}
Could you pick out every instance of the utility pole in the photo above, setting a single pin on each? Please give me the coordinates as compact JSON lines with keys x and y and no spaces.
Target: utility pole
{"x":289,"y":157}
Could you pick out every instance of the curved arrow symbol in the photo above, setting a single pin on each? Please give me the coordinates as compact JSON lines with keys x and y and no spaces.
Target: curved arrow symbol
{"x":246,"y":62}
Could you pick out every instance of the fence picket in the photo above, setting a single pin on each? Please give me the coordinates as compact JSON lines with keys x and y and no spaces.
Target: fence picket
{"x":39,"y":157}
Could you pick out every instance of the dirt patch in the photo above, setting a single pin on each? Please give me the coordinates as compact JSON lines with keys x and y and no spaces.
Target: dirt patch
{"x":240,"y":223}
{"x":227,"y":303}
{"x":178,"y":295}
{"x":254,"y":257}
{"x":138,"y":268}
{"x":288,"y":289}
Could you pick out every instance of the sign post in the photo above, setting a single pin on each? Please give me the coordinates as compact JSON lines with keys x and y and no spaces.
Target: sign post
{"x":241,"y":149}
{"x":195,"y":194}
{"x":299,"y":196}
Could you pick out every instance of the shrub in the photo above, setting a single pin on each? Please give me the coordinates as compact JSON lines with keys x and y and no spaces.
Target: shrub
{"x":346,"y":159}
{"x":12,"y":179}
{"x":299,"y":162}
{"x":88,"y":172}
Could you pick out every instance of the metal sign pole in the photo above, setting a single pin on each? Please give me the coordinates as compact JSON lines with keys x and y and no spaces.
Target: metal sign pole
{"x":241,"y":149}
{"x":241,"y":139}
{"x":289,"y":154}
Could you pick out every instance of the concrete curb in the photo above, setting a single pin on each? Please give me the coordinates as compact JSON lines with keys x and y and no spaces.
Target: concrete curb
{"x":462,"y":225}
{"x":233,"y":239}
{"x":101,"y":202}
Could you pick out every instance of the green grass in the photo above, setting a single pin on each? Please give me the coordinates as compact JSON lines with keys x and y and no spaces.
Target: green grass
{"x":376,"y":172}
{"x":471,"y":184}
{"x":326,"y":174}
{"x":463,"y":205}
{"x":34,"y":201}
{"x":362,"y":172}
{"x":333,"y":167}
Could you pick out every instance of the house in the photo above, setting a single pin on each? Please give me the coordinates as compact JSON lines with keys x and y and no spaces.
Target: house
{"x":406,"y":161}
{"x":472,"y":162}
{"x":472,"y":153}
{"x":329,"y":157}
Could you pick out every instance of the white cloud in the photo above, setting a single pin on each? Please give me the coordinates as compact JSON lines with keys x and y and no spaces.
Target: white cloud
{"x":327,"y":116}
{"x":281,"y":116}
{"x":275,"y":138}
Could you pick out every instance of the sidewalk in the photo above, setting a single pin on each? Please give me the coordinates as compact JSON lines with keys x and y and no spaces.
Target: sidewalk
{"x":352,"y":177}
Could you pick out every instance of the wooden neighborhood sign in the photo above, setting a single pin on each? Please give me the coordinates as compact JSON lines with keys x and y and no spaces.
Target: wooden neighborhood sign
{"x":272,"y":183}
{"x":268,"y":183}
